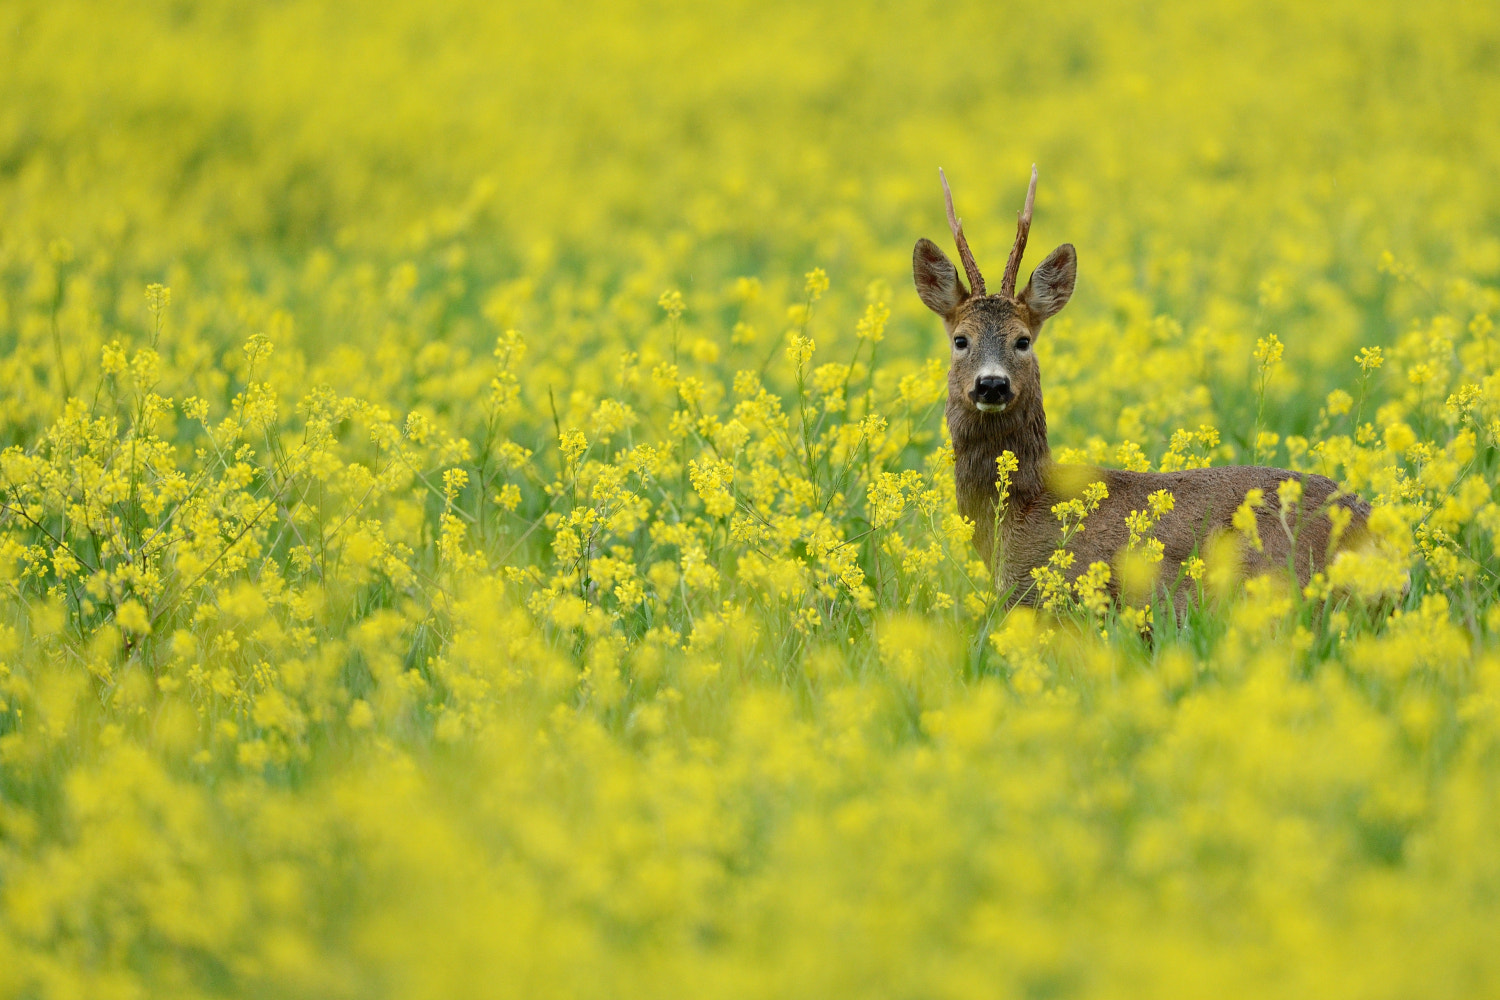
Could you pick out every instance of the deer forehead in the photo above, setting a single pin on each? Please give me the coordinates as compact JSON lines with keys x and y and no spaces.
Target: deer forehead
{"x":992,"y":316}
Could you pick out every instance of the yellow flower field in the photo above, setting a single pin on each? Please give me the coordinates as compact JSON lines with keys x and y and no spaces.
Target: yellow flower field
{"x":476,"y":517}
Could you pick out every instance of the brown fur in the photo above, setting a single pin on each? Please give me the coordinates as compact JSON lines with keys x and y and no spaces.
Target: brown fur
{"x":997,"y":330}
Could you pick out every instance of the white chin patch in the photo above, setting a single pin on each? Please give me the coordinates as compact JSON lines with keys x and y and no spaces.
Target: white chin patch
{"x":991,"y":407}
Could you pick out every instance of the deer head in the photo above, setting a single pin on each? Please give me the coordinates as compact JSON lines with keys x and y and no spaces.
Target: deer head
{"x":993,"y":367}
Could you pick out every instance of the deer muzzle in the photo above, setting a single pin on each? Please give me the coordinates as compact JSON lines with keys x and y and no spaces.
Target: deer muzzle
{"x":992,"y":391}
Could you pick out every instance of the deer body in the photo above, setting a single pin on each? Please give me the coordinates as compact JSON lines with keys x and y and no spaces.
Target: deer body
{"x":995,"y":406}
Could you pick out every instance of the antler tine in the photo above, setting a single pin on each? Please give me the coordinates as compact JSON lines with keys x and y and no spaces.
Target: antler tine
{"x":976,"y":280}
{"x":1023,"y":229}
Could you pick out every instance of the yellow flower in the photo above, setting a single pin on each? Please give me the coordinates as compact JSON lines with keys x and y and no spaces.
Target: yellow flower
{"x":817,"y":284}
{"x":572,"y":444}
{"x":158,"y":297}
{"x":113,"y":361}
{"x":671,"y":303}
{"x":799,"y":350}
{"x":131,"y":615}
{"x":1399,"y":438}
{"x":1245,"y":521}
{"x":1268,"y":350}
{"x":871,"y":325}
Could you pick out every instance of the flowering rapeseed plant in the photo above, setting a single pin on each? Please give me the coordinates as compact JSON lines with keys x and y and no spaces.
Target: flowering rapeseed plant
{"x":476,"y":518}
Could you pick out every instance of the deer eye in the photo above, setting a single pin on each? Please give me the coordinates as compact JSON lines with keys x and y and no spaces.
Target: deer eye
{"x":1023,"y":343}
{"x":960,"y":343}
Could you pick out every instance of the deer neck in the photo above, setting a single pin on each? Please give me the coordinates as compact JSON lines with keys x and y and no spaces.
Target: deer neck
{"x":980,"y":438}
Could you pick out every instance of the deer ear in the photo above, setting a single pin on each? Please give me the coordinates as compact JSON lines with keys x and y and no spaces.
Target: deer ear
{"x":1051,"y":284}
{"x":937,"y":279}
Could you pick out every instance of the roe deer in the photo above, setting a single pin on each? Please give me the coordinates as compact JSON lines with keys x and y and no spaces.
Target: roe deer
{"x":995,"y":406}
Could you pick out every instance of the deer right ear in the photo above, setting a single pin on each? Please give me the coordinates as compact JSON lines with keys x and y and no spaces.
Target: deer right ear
{"x":936,"y":279}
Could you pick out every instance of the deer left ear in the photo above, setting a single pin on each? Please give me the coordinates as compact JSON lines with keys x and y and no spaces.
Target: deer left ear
{"x":1051,"y":284}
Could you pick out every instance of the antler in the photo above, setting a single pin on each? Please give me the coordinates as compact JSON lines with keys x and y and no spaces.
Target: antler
{"x":976,"y":280}
{"x":1023,"y":229}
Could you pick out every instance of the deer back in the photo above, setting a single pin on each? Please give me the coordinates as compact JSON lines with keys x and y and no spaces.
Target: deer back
{"x":1301,"y":537}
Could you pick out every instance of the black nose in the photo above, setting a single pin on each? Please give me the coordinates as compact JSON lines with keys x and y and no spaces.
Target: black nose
{"x":992,"y":389}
